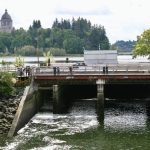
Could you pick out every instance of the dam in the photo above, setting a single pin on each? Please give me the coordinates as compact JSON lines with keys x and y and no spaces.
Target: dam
{"x":56,"y":90}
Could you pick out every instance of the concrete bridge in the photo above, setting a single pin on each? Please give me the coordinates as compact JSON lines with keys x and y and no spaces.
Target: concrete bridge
{"x":100,"y":82}
{"x":58,"y":87}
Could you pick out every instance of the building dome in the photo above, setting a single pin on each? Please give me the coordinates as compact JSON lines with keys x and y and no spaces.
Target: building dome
{"x":6,"y":23}
{"x":6,"y":16}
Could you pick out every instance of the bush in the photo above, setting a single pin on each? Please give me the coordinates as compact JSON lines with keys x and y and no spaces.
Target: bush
{"x":57,"y":51}
{"x":6,"y":84}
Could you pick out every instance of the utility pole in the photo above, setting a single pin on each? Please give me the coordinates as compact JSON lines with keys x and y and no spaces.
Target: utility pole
{"x":37,"y":51}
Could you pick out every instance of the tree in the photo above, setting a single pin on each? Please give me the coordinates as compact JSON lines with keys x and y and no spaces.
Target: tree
{"x":73,"y":45}
{"x":26,"y":50}
{"x":124,"y":46}
{"x":98,"y":37}
{"x":19,"y":62}
{"x":64,"y":36}
{"x":48,"y":58}
{"x":142,"y":47}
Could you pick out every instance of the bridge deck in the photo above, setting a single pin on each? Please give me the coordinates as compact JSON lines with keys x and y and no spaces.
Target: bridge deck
{"x":94,"y":72}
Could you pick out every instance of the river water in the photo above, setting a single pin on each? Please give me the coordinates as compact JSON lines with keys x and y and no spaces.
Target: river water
{"x":126,"y":126}
{"x":33,"y":60}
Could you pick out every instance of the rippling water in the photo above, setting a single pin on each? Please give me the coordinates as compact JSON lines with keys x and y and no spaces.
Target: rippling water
{"x":126,"y":126}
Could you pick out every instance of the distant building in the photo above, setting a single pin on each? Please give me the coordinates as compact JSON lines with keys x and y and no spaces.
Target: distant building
{"x":6,"y":23}
{"x":94,"y":57}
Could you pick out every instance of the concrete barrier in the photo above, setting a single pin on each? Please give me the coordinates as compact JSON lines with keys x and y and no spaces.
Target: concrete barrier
{"x":29,"y":105}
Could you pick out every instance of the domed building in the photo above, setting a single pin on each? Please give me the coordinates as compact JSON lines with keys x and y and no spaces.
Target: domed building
{"x":6,"y":23}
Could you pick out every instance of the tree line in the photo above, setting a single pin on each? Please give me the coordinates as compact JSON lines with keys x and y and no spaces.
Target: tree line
{"x":124,"y":46}
{"x":64,"y":37}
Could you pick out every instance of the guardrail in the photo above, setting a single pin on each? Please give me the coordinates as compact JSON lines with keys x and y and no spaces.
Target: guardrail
{"x":7,"y":69}
{"x":94,"y":69}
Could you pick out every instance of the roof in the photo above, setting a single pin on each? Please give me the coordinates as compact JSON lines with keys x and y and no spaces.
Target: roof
{"x":6,"y":16}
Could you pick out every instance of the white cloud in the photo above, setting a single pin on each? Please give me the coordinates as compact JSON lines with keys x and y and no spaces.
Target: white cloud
{"x":122,"y":19}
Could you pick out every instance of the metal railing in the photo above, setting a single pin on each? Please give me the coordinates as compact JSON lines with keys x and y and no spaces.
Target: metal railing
{"x":93,"y":69}
{"x":7,"y":69}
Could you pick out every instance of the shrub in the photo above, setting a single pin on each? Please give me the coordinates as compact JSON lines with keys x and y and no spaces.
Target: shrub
{"x":6,"y":84}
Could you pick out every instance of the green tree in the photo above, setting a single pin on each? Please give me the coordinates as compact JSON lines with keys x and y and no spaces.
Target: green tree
{"x":5,"y":42}
{"x":98,"y":38}
{"x":26,"y":50}
{"x":58,"y":51}
{"x":142,"y":47}
{"x":73,"y":45}
{"x":19,"y":62}
{"x":124,"y":46}
{"x":6,"y":84}
{"x":48,"y":58}
{"x":20,"y":39}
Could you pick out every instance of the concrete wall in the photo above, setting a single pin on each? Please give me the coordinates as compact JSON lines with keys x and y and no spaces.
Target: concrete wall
{"x":28,"y":106}
{"x":94,"y":57}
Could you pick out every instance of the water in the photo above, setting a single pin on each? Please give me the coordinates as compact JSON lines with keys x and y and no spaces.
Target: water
{"x":32,"y":61}
{"x":126,"y":127}
{"x":126,"y":124}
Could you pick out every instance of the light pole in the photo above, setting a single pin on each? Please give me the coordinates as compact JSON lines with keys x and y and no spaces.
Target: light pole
{"x":37,"y":51}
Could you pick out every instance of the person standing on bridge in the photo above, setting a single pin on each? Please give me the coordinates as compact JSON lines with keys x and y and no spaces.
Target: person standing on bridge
{"x":106,"y":69}
{"x":54,"y":69}
{"x":70,"y":69}
{"x":58,"y":70}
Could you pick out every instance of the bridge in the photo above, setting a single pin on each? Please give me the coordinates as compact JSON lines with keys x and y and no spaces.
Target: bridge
{"x":99,"y":81}
{"x":58,"y":86}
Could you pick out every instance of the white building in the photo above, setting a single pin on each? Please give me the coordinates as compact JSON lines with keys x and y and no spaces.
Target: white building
{"x":94,"y":57}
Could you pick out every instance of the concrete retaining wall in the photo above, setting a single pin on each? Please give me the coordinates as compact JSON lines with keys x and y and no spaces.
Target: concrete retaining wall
{"x":28,"y":106}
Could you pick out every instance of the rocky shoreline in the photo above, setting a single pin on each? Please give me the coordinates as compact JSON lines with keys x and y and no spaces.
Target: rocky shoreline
{"x":8,"y":108}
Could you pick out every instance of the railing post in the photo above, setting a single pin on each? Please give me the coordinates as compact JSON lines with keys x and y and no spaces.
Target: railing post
{"x":100,"y":99}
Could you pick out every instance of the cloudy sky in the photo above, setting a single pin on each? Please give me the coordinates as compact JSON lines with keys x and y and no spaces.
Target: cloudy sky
{"x":122,"y":19}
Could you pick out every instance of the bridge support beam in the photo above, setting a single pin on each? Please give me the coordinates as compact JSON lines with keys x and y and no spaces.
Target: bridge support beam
{"x":56,"y":100}
{"x":100,"y":100}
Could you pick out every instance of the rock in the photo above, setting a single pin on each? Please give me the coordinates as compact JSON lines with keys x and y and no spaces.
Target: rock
{"x":12,"y":104}
{"x":1,"y":121}
{"x":4,"y":115}
{"x":4,"y":120}
{"x":4,"y":109}
{"x":8,"y":108}
{"x":1,"y":115}
{"x":1,"y":103}
{"x":10,"y":117}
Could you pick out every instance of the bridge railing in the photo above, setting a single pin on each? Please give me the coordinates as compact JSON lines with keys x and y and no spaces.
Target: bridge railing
{"x":92,"y":69}
{"x":7,"y":69}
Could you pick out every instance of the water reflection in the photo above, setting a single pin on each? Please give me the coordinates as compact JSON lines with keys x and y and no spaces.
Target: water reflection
{"x":126,"y":126}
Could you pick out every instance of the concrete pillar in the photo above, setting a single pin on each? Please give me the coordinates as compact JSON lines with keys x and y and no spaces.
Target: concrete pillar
{"x":100,"y":100}
{"x":56,"y":100}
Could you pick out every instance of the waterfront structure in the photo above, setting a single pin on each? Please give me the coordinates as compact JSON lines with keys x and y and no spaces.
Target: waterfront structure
{"x":94,"y":57}
{"x":6,"y":23}
{"x":58,"y":90}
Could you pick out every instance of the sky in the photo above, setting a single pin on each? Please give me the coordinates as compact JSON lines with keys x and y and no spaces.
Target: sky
{"x":122,"y":19}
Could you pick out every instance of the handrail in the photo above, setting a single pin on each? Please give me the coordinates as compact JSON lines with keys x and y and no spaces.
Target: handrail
{"x":7,"y":68}
{"x":132,"y":68}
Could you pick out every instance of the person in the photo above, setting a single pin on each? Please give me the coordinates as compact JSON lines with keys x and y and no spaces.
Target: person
{"x":67,"y":60}
{"x":54,"y":69}
{"x":58,"y":70}
{"x":106,"y":69}
{"x":49,"y":62}
{"x":70,"y":69}
{"x":21,"y":71}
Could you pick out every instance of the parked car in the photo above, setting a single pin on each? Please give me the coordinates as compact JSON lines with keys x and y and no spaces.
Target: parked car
{"x":79,"y":64}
